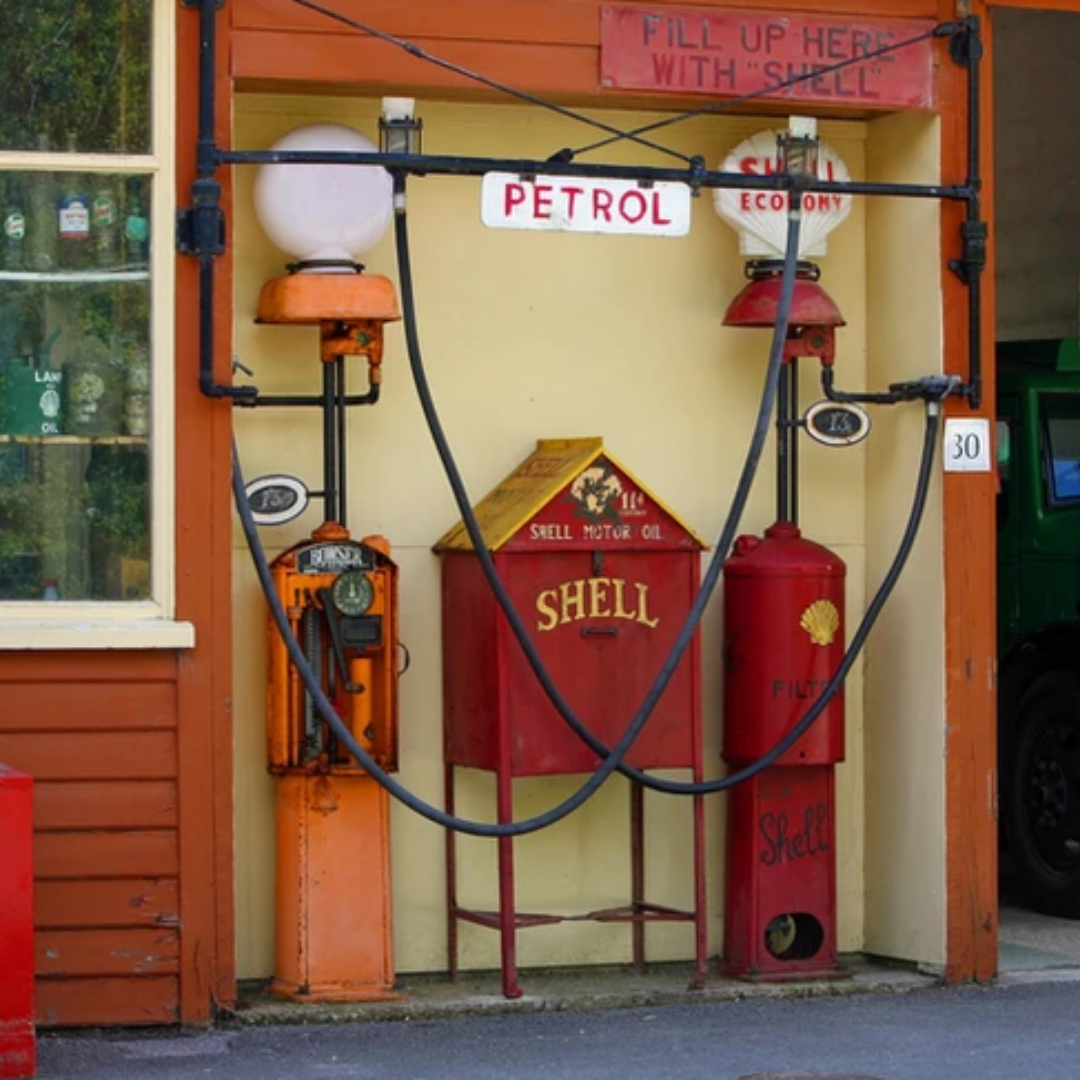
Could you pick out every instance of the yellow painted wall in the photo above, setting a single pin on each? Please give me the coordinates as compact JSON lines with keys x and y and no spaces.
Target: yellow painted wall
{"x":905,"y":699}
{"x":527,"y":336}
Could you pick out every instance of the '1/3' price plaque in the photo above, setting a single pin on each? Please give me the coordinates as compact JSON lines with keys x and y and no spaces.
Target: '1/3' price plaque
{"x":836,"y":423}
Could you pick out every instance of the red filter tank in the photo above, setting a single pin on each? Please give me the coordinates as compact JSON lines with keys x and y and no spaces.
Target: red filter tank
{"x":783,"y":641}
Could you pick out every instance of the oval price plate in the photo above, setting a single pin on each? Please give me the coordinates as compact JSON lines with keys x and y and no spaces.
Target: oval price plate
{"x":836,"y":423}
{"x":274,"y":500}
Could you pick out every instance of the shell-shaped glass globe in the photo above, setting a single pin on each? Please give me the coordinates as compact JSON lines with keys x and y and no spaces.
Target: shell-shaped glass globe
{"x":761,"y":217}
{"x":324,"y":214}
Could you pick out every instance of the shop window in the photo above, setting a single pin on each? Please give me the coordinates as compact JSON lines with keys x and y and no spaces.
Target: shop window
{"x":85,"y":295}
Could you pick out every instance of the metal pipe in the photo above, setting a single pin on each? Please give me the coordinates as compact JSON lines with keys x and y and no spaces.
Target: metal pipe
{"x":330,"y":498}
{"x":974,"y":213}
{"x":783,"y":442}
{"x":205,"y":215}
{"x":793,"y":436}
{"x":339,"y":416}
{"x":697,"y":176}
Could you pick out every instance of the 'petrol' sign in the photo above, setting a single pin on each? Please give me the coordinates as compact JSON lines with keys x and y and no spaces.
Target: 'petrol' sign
{"x":573,"y":204}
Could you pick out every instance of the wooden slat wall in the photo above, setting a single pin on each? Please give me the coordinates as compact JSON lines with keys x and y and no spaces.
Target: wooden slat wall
{"x":99,"y":736}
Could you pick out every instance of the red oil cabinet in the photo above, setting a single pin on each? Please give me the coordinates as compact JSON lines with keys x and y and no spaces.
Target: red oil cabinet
{"x":783,"y":642}
{"x":604,"y":576}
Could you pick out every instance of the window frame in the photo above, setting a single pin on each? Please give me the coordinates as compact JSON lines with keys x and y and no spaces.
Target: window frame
{"x":142,"y":624}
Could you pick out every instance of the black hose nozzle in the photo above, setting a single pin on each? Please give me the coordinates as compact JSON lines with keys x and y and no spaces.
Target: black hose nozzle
{"x":928,"y":388}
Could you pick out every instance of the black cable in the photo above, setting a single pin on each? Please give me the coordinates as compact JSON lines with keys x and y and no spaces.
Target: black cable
{"x":421,"y":54}
{"x":612,"y":760}
{"x":941,"y":30}
{"x":505,"y":602}
{"x":715,"y":567}
{"x":328,"y":713}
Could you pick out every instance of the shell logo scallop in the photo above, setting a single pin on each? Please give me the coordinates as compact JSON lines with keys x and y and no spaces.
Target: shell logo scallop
{"x":761,"y":217}
{"x":821,"y":620}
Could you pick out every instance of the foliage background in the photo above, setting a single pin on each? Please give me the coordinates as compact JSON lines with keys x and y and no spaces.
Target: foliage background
{"x":79,"y":70}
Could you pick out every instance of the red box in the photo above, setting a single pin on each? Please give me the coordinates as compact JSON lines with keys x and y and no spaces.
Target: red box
{"x":604,"y":576}
{"x":18,"y":1051}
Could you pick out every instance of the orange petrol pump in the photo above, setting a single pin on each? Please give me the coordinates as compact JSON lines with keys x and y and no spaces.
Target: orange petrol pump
{"x":340,"y":596}
{"x":333,"y":927}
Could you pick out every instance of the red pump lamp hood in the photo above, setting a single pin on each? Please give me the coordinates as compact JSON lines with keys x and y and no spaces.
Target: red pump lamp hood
{"x":814,"y":314}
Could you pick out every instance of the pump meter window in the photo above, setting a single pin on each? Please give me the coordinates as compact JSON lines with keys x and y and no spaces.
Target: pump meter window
{"x":1061,"y":428}
{"x":353,"y":593}
{"x":75,"y":303}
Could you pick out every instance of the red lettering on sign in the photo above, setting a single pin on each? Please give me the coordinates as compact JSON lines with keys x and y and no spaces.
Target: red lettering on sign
{"x":632,"y":206}
{"x":515,"y":196}
{"x":601,"y":204}
{"x":740,"y":52}
{"x":657,"y":218}
{"x":541,"y":201}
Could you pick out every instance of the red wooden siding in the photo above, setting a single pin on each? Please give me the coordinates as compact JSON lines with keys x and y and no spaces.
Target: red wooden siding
{"x":103,"y":755}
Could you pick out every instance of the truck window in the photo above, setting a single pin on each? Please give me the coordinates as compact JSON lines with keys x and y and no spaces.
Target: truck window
{"x":1061,"y":448}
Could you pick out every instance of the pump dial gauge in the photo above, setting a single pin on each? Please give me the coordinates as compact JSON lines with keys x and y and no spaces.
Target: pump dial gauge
{"x":353,"y":593}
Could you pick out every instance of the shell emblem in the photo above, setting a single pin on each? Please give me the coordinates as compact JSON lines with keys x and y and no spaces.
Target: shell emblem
{"x":821,"y":620}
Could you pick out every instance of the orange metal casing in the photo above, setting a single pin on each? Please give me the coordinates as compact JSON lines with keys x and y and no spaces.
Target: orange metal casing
{"x":333,"y":936}
{"x":349,"y":309}
{"x":333,"y":915}
{"x":372,"y":716}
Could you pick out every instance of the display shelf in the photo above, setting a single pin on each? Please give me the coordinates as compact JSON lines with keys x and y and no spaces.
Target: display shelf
{"x":76,"y":277}
{"x":76,"y":440}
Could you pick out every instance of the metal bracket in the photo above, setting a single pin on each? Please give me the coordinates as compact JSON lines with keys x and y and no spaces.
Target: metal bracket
{"x":973,"y":235}
{"x":966,"y":45}
{"x":200,"y":229}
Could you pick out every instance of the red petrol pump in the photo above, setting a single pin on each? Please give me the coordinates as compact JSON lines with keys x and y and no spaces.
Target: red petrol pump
{"x":783,"y":638}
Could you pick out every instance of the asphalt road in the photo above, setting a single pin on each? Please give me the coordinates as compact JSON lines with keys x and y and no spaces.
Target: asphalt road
{"x":1005,"y":1032}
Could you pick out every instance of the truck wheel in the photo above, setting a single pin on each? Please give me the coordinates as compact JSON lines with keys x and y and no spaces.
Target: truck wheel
{"x":1042,"y":782}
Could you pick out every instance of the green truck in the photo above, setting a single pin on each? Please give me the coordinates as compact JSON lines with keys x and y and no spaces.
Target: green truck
{"x":1038,"y":611}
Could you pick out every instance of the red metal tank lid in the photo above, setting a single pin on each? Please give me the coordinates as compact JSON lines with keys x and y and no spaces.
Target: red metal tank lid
{"x":783,"y":550}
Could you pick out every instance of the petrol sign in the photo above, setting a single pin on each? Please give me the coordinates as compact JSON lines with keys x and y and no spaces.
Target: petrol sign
{"x":574,"y":204}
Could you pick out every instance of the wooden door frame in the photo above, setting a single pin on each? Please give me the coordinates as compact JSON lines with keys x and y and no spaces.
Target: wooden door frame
{"x":203,"y":572}
{"x":971,"y":908}
{"x":971,"y":579}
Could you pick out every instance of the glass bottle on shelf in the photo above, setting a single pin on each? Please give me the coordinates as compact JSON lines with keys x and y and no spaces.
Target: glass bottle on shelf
{"x":105,"y":223}
{"x":41,"y":217}
{"x":136,"y":389}
{"x":73,"y":218}
{"x":136,"y":226}
{"x":13,"y":252}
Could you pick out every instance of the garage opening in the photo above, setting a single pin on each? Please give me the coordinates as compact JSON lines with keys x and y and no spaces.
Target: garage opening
{"x":1037,"y":247}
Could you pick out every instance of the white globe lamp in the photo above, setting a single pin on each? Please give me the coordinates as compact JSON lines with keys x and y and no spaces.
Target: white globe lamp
{"x":326,"y":216}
